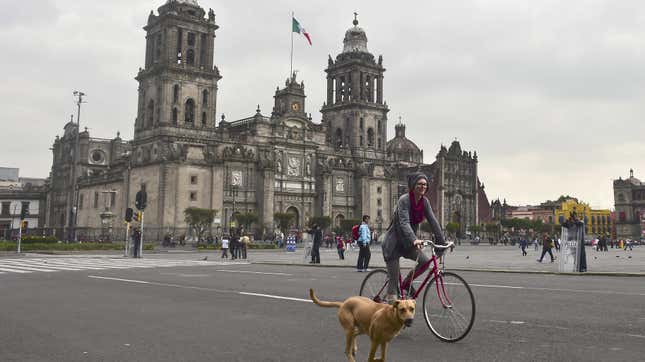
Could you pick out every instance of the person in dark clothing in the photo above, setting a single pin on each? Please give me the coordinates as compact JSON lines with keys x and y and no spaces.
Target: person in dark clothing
{"x":400,"y":238}
{"x":136,"y":240}
{"x":364,"y":236}
{"x":315,"y":250}
{"x":523,"y":244}
{"x":546,"y":247}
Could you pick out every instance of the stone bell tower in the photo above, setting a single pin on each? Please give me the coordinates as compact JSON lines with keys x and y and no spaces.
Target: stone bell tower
{"x":355,"y":113}
{"x":178,"y":86}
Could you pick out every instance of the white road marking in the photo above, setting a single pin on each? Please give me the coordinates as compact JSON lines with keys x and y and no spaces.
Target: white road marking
{"x":276,"y":297}
{"x":636,"y":335}
{"x":249,"y":272}
{"x":13,"y":270}
{"x":557,"y":289}
{"x":119,"y":279}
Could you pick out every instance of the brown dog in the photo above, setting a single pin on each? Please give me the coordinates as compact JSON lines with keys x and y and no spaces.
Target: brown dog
{"x":381,"y":322}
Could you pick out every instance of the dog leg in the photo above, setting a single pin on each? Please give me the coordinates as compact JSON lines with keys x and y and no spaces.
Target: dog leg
{"x":373,"y":348}
{"x":349,"y":344}
{"x":383,"y":351}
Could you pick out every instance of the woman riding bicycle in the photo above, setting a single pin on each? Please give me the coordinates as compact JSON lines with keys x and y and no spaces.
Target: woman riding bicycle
{"x":400,"y":238}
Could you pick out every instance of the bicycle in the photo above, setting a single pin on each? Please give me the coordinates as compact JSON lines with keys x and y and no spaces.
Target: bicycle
{"x":450,"y":313}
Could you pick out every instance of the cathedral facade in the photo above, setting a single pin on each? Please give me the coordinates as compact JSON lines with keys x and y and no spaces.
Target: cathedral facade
{"x":183,"y":156}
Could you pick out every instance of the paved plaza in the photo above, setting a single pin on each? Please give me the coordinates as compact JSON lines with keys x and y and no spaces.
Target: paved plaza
{"x":479,"y":257}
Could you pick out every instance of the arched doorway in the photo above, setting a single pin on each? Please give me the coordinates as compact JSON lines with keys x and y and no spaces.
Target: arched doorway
{"x":338,"y":220}
{"x":295,"y":222}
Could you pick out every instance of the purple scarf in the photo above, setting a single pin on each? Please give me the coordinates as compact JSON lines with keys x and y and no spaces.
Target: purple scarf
{"x":417,"y":210}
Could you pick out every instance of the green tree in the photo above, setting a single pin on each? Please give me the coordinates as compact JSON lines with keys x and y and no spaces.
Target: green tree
{"x":475,"y":229}
{"x":322,"y":221}
{"x":284,"y":220}
{"x":246,"y":219}
{"x":200,"y":220}
{"x":452,"y":228}
{"x":347,"y":224}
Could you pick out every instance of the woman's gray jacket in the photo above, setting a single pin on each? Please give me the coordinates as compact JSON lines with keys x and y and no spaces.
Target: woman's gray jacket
{"x":400,"y":235}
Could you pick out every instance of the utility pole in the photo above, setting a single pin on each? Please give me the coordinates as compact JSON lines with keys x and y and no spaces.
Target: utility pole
{"x":76,"y":170}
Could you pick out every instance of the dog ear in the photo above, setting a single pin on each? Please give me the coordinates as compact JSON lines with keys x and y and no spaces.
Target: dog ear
{"x":396,"y":303}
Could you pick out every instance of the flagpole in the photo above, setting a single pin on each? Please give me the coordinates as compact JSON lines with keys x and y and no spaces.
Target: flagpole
{"x":291,"y":62}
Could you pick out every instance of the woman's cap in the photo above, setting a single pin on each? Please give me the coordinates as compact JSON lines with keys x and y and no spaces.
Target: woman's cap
{"x":414,"y":178}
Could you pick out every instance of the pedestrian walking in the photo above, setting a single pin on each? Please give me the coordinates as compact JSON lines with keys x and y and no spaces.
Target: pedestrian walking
{"x":315,"y":250}
{"x":546,"y":247}
{"x":245,"y":241}
{"x":225,"y":246}
{"x":523,"y":245}
{"x":363,"y":242}
{"x":535,"y":244}
{"x":340,"y":246}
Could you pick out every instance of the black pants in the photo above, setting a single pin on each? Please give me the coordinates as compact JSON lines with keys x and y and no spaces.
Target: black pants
{"x":544,"y":251}
{"x":137,"y":244}
{"x":315,"y":254}
{"x":524,"y":250}
{"x":363,"y":257}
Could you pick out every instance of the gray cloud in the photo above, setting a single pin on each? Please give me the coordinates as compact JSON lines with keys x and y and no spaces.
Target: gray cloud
{"x":548,"y":93}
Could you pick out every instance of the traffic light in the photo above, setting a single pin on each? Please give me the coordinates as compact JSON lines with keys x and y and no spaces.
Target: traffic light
{"x":141,"y":200}
{"x":128,"y":214}
{"x":23,"y":213}
{"x":137,"y":216}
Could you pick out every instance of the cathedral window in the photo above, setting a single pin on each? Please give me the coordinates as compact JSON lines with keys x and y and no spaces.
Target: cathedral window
{"x":361,"y":140}
{"x":190,"y":58}
{"x":189,"y":111}
{"x":203,"y":118}
{"x":80,"y":201}
{"x":174,"y":115}
{"x":370,"y":137}
{"x":158,"y":48}
{"x":191,"y":39}
{"x":378,"y":129}
{"x":205,"y":98}
{"x":202,"y":50}
{"x":180,"y":36}
{"x":193,"y":179}
{"x":193,"y":196}
{"x":175,"y":93}
{"x":362,"y":123}
{"x":96,"y":199}
{"x":379,"y":144}
{"x":151,"y":113}
{"x":339,"y":137}
{"x":379,"y":202}
{"x":379,"y":189}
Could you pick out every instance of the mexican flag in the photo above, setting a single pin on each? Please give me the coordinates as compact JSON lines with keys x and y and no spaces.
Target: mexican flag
{"x":297,"y":28}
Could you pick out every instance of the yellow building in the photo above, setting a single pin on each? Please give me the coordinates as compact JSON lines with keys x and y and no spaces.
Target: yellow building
{"x":597,"y":222}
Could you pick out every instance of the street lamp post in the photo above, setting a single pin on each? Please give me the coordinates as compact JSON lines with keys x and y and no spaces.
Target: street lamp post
{"x":77,"y":161}
{"x":234,"y":194}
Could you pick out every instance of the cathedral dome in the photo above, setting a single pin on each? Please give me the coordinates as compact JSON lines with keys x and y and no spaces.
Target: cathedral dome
{"x":355,"y":39}
{"x":187,"y":2}
{"x":400,"y":148}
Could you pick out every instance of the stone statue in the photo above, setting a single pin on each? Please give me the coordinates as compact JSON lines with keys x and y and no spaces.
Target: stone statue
{"x":211,"y":15}
{"x":278,"y":166}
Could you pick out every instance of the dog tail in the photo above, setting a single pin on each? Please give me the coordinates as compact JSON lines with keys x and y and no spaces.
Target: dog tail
{"x":323,"y":303}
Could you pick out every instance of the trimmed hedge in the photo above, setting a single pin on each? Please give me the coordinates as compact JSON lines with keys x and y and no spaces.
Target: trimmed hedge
{"x":39,"y":239}
{"x":11,"y":246}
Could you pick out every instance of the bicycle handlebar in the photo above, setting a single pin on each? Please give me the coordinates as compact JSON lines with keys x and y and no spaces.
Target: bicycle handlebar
{"x":440,"y":246}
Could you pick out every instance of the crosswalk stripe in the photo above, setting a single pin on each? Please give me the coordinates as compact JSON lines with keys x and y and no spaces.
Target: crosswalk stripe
{"x":62,"y":263}
{"x":18,"y":266}
{"x":14,"y":270}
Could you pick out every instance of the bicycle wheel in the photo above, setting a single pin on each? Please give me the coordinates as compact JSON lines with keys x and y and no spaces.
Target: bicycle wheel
{"x":374,"y":285}
{"x":450,"y":317}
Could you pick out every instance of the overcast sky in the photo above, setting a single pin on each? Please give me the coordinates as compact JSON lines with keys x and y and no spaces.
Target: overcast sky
{"x":549,"y":93}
